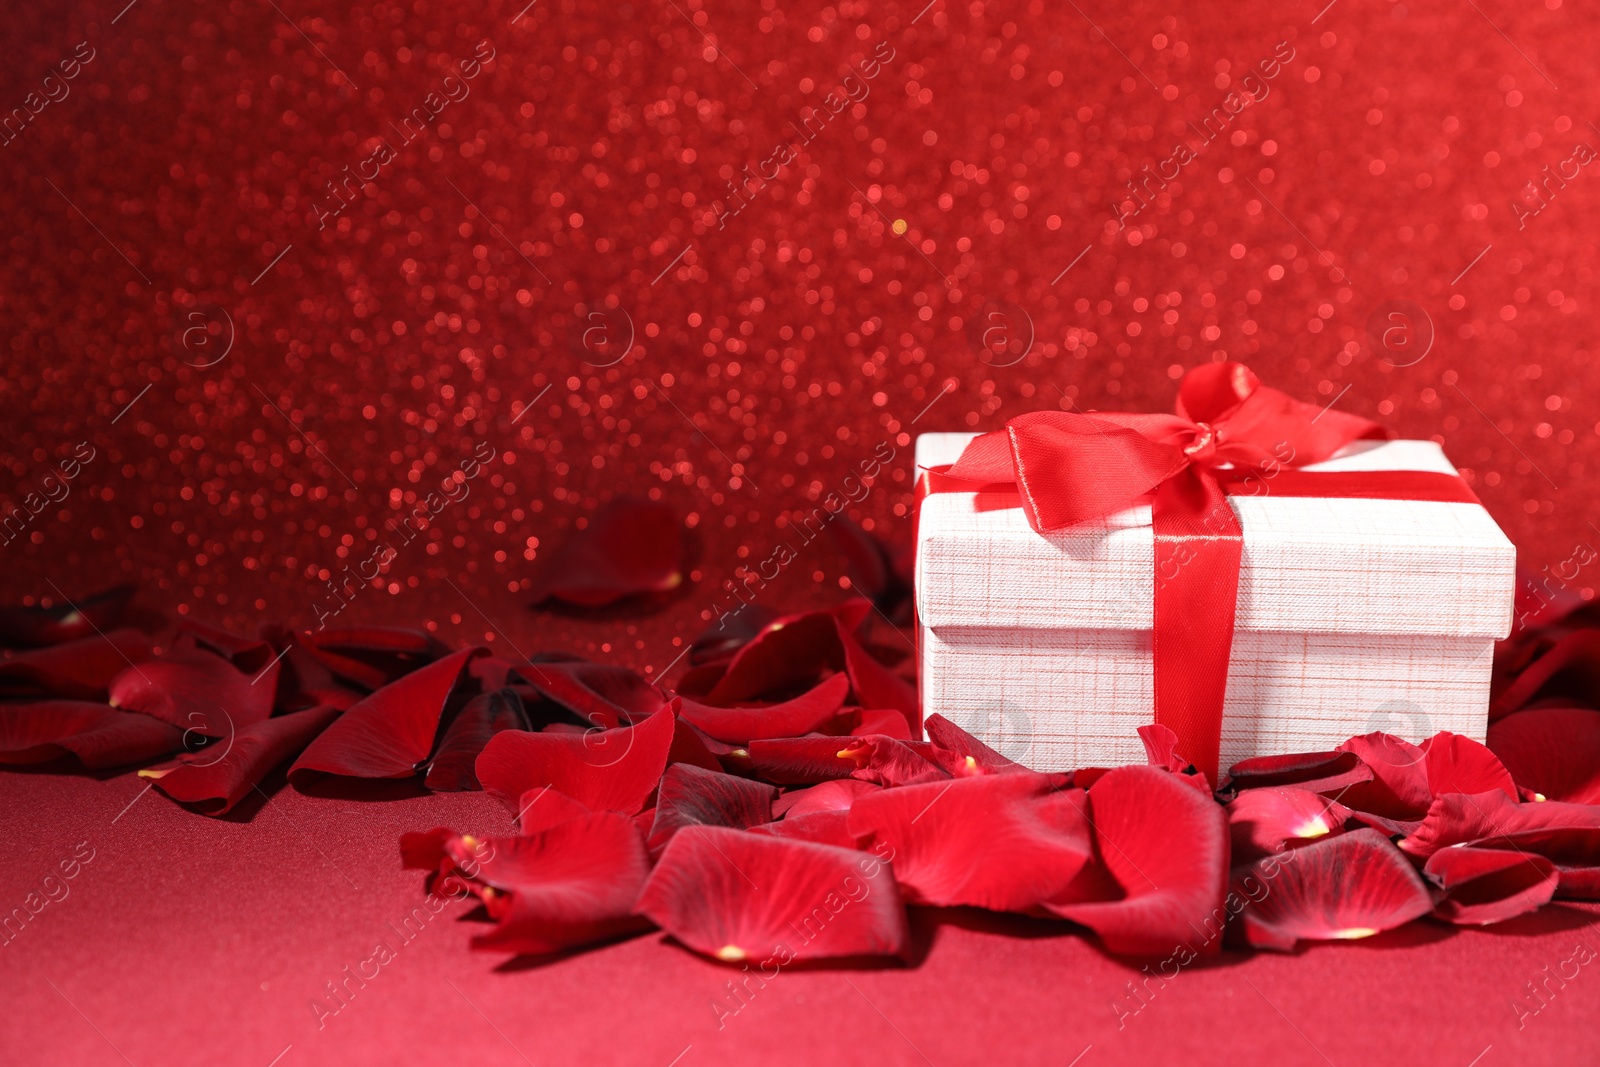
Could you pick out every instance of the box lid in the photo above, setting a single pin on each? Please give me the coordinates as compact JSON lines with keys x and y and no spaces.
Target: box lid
{"x":1310,"y":565}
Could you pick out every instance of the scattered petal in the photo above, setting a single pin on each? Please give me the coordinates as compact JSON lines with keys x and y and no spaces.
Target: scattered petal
{"x":631,"y":546}
{"x":792,"y":718}
{"x":1003,"y":841}
{"x":1457,"y":764}
{"x":1165,"y":849}
{"x":1263,"y":822}
{"x":808,"y":760}
{"x":214,"y":782}
{"x":1345,"y":887}
{"x":735,"y":896}
{"x":193,"y":690}
{"x":77,"y":670}
{"x":691,"y":796}
{"x":99,"y":736}
{"x":1487,"y":885}
{"x":484,"y":716}
{"x":88,"y":616}
{"x":1553,"y":751}
{"x":391,"y":733}
{"x":605,"y":770}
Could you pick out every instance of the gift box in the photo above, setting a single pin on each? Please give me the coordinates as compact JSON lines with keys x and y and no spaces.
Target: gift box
{"x":1352,"y":613}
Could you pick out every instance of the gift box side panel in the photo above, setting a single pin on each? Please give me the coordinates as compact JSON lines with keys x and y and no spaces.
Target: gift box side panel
{"x":1060,"y":699}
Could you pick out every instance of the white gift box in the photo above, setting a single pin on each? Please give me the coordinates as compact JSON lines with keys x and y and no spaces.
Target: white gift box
{"x":1353,"y":615}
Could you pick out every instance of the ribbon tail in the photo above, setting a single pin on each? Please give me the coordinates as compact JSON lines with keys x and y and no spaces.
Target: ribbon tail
{"x":1198,"y":545}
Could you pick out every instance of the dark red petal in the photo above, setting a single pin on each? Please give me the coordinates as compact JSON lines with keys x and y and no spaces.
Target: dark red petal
{"x":836,"y":795}
{"x":818,"y":827}
{"x":691,"y":796}
{"x":690,"y":745}
{"x":1399,"y":786}
{"x":373,"y":656}
{"x":1554,"y":752}
{"x":599,"y":694}
{"x":99,"y":736}
{"x":1570,"y":668}
{"x":217,"y":777}
{"x":947,"y":735}
{"x":885,"y":721}
{"x":76,"y":670}
{"x":1320,"y":772}
{"x":1161,"y":750}
{"x":735,"y":896}
{"x":196,"y":691}
{"x":808,"y":760}
{"x":570,"y":885}
{"x":876,"y":686}
{"x":390,"y":733}
{"x":630,"y":546}
{"x":792,"y":718}
{"x":788,"y":653}
{"x":250,"y":654}
{"x":872,"y":569}
{"x":732,"y":630}
{"x":539,"y":809}
{"x":1166,"y":848}
{"x":483,"y":716}
{"x":68,"y":621}
{"x":1000,"y":841}
{"x":1346,"y":887}
{"x":1262,"y":822}
{"x":1458,"y":818}
{"x":1487,"y":885}
{"x":1457,"y":764}
{"x":604,"y":770}
{"x":424,"y":850}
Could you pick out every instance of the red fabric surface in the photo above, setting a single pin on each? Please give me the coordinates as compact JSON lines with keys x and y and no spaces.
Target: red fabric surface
{"x":168,"y":202}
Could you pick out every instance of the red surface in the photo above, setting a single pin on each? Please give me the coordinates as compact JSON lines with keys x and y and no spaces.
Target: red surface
{"x":773,"y":357}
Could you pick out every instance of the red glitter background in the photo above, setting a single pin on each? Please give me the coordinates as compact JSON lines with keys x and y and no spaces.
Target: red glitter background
{"x":268,"y":372}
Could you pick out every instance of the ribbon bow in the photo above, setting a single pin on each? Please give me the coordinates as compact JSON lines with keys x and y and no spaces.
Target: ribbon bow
{"x":1229,"y":430}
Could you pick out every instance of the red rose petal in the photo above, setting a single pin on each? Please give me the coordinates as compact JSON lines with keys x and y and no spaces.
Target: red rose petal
{"x":390,"y":733}
{"x":1459,"y":818}
{"x":836,"y":795}
{"x":99,"y":736}
{"x":194,"y":690}
{"x":1346,"y":887}
{"x":1399,"y":787}
{"x":952,"y":738}
{"x":1552,"y":751}
{"x":1320,"y":772}
{"x":691,"y":796}
{"x":818,"y":827}
{"x":786,"y":655}
{"x":1262,"y":822}
{"x":734,"y":896}
{"x":87,"y":616}
{"x":631,"y":546}
{"x":1457,"y":764}
{"x":872,"y":568}
{"x":1570,"y":668}
{"x":80,"y":670}
{"x":1000,"y":841}
{"x":1486,"y":885}
{"x":1161,"y":750}
{"x":876,"y":686}
{"x":792,"y":718}
{"x":808,"y":760}
{"x":213,"y":783}
{"x":572,"y":884}
{"x":424,"y":850}
{"x":1166,"y":848}
{"x":885,"y":721}
{"x":599,"y":694}
{"x":373,"y":656}
{"x":539,"y":809}
{"x":613,"y":770}
{"x":485,"y":715}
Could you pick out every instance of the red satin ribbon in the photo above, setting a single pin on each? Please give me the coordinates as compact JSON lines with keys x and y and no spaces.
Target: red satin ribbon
{"x":1231,"y":436}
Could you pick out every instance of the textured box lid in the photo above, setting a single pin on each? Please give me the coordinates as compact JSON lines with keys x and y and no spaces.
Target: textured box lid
{"x":1310,"y":565}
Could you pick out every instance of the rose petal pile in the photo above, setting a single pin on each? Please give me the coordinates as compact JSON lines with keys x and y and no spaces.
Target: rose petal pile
{"x":780,"y":803}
